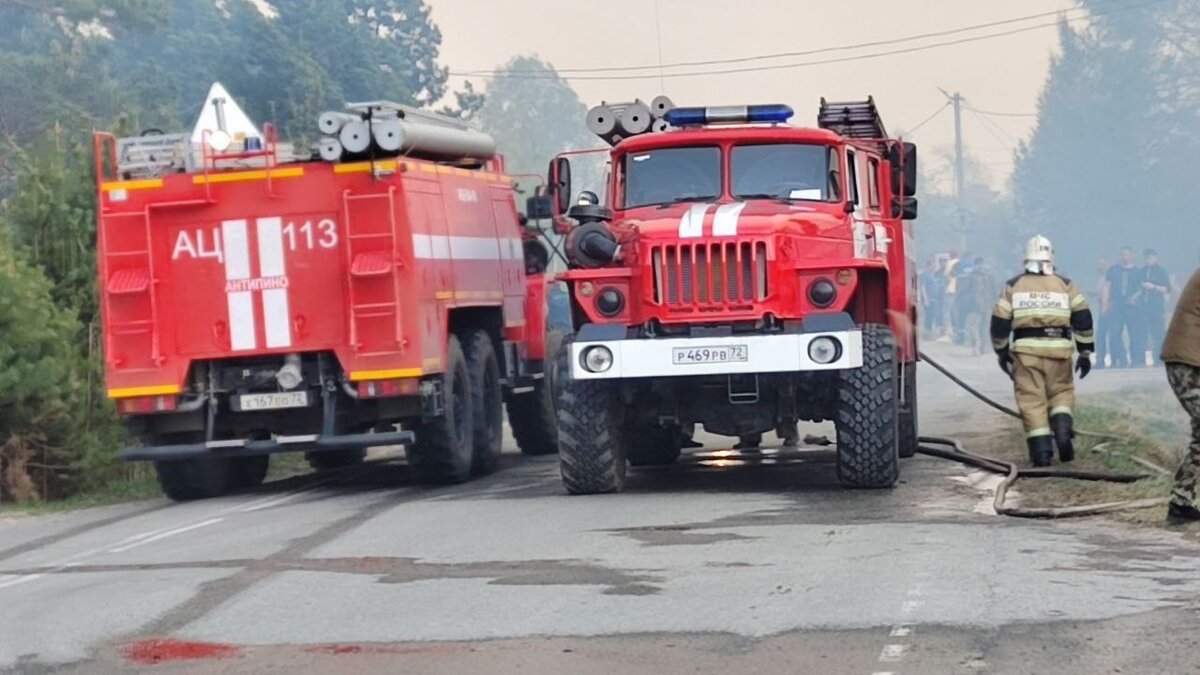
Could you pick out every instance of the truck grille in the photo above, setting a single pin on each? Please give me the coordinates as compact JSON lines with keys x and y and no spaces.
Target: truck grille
{"x":710,"y":274}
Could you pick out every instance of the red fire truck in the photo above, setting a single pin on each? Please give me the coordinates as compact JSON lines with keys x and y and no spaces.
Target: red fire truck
{"x":745,"y":275}
{"x":254,"y":303}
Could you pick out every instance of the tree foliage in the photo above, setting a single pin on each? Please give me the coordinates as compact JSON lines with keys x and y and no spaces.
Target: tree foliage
{"x":53,"y":424}
{"x":68,"y":67}
{"x":1110,"y":162}
{"x":533,"y":118}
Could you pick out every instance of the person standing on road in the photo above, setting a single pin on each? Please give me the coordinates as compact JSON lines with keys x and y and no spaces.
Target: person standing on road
{"x":1097,"y":298}
{"x":1152,"y":306}
{"x":930,"y":282}
{"x":983,"y":287}
{"x":1120,"y":288}
{"x":1181,"y":354}
{"x":1041,"y":312}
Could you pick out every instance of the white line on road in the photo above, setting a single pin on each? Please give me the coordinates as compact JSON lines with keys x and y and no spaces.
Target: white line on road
{"x":892,"y":653}
{"x":164,"y":535}
{"x":901,"y":631}
{"x":135,"y":540}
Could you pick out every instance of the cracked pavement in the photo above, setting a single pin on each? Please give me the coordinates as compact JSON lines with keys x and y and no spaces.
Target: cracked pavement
{"x":726,"y":561}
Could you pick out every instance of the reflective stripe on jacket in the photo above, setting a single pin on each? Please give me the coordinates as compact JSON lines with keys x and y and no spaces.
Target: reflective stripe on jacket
{"x":1044,"y":315}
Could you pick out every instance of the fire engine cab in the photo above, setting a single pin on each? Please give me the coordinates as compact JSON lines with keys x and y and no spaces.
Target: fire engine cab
{"x":371,"y":292}
{"x":744,"y":275}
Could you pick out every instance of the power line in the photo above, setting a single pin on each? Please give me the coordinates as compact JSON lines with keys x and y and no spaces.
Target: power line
{"x":929,"y":119}
{"x":992,"y":113}
{"x":491,"y":75}
{"x":808,"y":52}
{"x":992,"y":128}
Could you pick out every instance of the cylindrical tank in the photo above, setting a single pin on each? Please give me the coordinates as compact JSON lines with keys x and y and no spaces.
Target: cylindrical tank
{"x":601,"y":120}
{"x":437,"y":142}
{"x":330,"y":149}
{"x":660,"y":106}
{"x":355,"y":137}
{"x":388,"y":134}
{"x":330,"y":123}
{"x":660,"y":126}
{"x":634,"y":119}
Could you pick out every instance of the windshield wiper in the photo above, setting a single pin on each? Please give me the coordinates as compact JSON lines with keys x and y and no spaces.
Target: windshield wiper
{"x":684,"y":200}
{"x":763,"y":195}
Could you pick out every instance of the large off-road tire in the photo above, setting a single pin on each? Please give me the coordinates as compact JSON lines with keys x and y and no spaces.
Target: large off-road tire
{"x":591,"y":453}
{"x":532,"y":416}
{"x":249,"y":472}
{"x":335,"y":459}
{"x":908,"y":412}
{"x":868,"y":448}
{"x":487,"y":401}
{"x":655,"y":445}
{"x":444,"y":447}
{"x":187,"y":479}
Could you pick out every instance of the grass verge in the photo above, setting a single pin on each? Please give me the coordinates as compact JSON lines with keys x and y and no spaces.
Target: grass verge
{"x":1149,"y":424}
{"x":136,"y":482}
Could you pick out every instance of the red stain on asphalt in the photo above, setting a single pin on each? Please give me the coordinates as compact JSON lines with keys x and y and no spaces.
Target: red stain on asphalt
{"x":164,"y":650}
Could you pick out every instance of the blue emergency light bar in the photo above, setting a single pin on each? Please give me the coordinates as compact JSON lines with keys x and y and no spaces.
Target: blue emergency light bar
{"x":729,"y":114}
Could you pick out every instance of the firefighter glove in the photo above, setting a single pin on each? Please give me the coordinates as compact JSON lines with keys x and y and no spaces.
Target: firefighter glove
{"x":1004,"y":357}
{"x":1083,"y":365}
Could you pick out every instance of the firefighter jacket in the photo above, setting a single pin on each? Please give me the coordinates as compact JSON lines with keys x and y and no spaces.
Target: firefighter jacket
{"x":1043,"y":314}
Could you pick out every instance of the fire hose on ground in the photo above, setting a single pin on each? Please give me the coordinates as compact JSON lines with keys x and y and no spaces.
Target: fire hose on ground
{"x":949,"y":448}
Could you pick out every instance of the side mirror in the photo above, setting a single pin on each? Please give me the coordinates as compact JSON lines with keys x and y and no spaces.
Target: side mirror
{"x":539,"y":207}
{"x":903,"y":157}
{"x":904,"y":208}
{"x":559,"y":185}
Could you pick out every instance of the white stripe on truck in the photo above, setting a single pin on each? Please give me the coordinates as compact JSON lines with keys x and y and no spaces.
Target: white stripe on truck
{"x":237,"y":267}
{"x":271,"y":265}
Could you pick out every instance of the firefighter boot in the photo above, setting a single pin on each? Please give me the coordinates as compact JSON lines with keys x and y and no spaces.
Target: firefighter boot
{"x":1064,"y":434}
{"x":1182,"y":514}
{"x":1041,"y":450}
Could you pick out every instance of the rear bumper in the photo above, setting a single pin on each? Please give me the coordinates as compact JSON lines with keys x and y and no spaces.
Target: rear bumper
{"x":783,"y":353}
{"x":248,"y":448}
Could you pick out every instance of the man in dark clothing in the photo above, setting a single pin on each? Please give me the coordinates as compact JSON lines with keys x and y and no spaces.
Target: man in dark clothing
{"x":1181,"y":353}
{"x":1096,"y":299}
{"x":931,"y":289}
{"x":1121,"y":286}
{"x":1152,"y":306}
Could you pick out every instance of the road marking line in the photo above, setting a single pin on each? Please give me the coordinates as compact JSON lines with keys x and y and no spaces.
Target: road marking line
{"x":134,"y":540}
{"x":259,"y":506}
{"x":169,"y":533}
{"x":892,"y":653}
{"x":901,"y":631}
{"x":883,"y":672}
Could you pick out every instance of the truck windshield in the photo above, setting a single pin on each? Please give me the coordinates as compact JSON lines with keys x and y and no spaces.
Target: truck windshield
{"x":672,"y":175}
{"x":784,"y":171}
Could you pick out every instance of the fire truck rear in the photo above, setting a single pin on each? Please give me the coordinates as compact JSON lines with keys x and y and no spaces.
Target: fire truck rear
{"x":745,"y":275}
{"x":255,"y":301}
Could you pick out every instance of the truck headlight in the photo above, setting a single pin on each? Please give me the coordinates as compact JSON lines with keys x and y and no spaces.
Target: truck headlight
{"x":610,"y":302}
{"x":822,"y":293}
{"x":824,"y":350}
{"x":597,"y":359}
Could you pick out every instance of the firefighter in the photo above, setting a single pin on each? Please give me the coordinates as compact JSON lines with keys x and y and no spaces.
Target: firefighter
{"x":1043,"y":312}
{"x":1181,"y":353}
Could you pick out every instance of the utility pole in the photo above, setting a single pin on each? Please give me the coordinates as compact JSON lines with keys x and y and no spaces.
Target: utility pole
{"x":956,"y":100}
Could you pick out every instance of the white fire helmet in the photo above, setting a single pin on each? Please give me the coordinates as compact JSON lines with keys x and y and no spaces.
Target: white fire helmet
{"x":1039,"y":256}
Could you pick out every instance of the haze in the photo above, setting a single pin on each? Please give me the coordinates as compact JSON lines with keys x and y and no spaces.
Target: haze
{"x":1002,"y":74}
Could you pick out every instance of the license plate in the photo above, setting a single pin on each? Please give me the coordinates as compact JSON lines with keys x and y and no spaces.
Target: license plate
{"x":291,"y":399}
{"x":690,"y":356}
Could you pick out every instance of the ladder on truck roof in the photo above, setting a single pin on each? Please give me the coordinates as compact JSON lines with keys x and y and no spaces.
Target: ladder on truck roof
{"x":852,"y":119}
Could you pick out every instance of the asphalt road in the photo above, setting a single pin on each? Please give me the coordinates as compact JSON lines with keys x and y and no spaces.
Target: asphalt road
{"x":723,"y":563}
